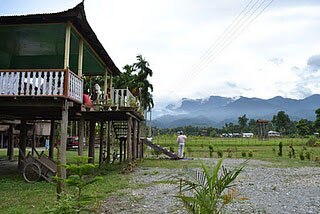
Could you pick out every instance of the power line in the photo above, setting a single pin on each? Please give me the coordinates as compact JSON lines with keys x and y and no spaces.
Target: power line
{"x":214,"y":52}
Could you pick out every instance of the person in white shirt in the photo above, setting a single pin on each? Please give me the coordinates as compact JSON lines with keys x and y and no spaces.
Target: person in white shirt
{"x":181,"y":140}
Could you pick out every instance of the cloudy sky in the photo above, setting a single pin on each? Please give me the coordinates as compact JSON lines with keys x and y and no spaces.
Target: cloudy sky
{"x":277,"y":54}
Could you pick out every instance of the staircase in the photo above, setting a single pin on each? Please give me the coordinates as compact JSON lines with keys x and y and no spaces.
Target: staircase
{"x":120,"y":129}
{"x":160,"y":149}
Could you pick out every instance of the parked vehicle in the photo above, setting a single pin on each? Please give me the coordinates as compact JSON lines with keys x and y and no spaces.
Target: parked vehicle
{"x":72,"y":142}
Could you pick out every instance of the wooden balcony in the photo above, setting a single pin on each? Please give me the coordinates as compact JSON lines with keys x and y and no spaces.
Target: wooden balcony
{"x":41,"y":83}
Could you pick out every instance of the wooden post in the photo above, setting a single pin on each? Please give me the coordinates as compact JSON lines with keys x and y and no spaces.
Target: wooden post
{"x":81,"y":136}
{"x":120,"y":147}
{"x":22,"y":143}
{"x":52,"y":139}
{"x":1,"y":144}
{"x":67,"y":47}
{"x":91,"y":141}
{"x":124,"y":149}
{"x":101,"y":148}
{"x":129,"y":141}
{"x":10,"y":143}
{"x":139,"y":150}
{"x":106,"y":84}
{"x":109,"y":142}
{"x":134,"y":140}
{"x":62,"y":147}
{"x":80,"y":58}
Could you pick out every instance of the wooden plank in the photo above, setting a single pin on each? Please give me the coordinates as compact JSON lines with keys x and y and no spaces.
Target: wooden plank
{"x":91,"y":141}
{"x":109,"y":142}
{"x":64,"y":135}
{"x":22,"y":143}
{"x":134,"y":140}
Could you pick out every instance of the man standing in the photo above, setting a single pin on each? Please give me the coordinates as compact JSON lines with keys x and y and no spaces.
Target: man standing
{"x":181,"y":140}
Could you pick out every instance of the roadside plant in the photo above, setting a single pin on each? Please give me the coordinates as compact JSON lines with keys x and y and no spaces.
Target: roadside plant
{"x":209,"y":191}
{"x":189,"y":150}
{"x":210,"y":151}
{"x":301,"y":155}
{"x":74,"y":199}
{"x":250,"y":153}
{"x":308,"y":155}
{"x":243,"y":154}
{"x":220,"y":153}
{"x":280,"y":149}
{"x":293,"y":154}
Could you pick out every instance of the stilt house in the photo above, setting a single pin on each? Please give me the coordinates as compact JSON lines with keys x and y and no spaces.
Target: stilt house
{"x":43,"y":61}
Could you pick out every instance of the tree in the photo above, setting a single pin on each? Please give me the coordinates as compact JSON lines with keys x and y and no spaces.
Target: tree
{"x":242,"y":121}
{"x":252,"y":126}
{"x":281,"y":122}
{"x":135,"y":78}
{"x":316,"y":123}
{"x":303,"y":127}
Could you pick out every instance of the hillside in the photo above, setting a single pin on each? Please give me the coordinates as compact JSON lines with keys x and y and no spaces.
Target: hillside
{"x":216,"y":110}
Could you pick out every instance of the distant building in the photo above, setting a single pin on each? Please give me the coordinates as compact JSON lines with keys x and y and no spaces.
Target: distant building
{"x":273,"y":134}
{"x":247,"y":135}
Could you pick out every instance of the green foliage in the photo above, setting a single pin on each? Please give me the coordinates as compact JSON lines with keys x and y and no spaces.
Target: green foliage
{"x":303,"y":127}
{"x":135,"y":78}
{"x":243,"y":154}
{"x":189,"y":150}
{"x":81,"y":176}
{"x":242,"y":121}
{"x":210,"y":151}
{"x":280,"y":149}
{"x":207,"y":189}
{"x":219,"y":153}
{"x":312,"y":141}
{"x":250,"y":153}
{"x":282,"y":122}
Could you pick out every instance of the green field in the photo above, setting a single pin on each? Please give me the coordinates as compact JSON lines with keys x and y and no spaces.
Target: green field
{"x":236,"y":147}
{"x":17,"y":196}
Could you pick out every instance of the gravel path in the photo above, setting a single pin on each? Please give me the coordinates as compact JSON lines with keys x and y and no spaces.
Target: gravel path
{"x":263,"y":188}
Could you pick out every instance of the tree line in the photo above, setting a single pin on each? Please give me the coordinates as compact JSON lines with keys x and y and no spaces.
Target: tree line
{"x":280,"y":122}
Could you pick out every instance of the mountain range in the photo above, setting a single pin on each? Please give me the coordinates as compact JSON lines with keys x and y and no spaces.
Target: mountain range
{"x":216,"y":110}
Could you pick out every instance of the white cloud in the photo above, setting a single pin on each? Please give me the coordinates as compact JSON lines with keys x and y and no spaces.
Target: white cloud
{"x":173,"y":35}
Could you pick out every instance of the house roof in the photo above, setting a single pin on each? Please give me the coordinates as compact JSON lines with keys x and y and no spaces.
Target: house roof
{"x":77,"y":17}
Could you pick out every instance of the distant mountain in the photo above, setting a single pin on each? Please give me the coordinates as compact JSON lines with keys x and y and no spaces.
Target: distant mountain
{"x":217,"y":110}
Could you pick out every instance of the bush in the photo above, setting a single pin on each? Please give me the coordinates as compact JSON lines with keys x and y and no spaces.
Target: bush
{"x":280,"y":150}
{"x":301,"y":155}
{"x":210,"y":151}
{"x":220,"y":153}
{"x":208,"y":189}
{"x":308,"y":155}
{"x":312,"y":141}
{"x":250,"y":153}
{"x":230,"y":154}
{"x":243,"y":154}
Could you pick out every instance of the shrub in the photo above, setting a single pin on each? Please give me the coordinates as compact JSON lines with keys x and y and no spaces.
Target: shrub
{"x":312,"y":141}
{"x":171,"y":149}
{"x":301,"y":155}
{"x":81,"y":176}
{"x":210,"y":151}
{"x":280,"y":150}
{"x":208,"y":189}
{"x":308,"y":155}
{"x":220,"y":153}
{"x":250,"y":153}
{"x":243,"y":154}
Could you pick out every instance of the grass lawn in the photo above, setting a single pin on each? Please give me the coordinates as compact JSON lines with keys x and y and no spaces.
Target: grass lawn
{"x":17,"y":196}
